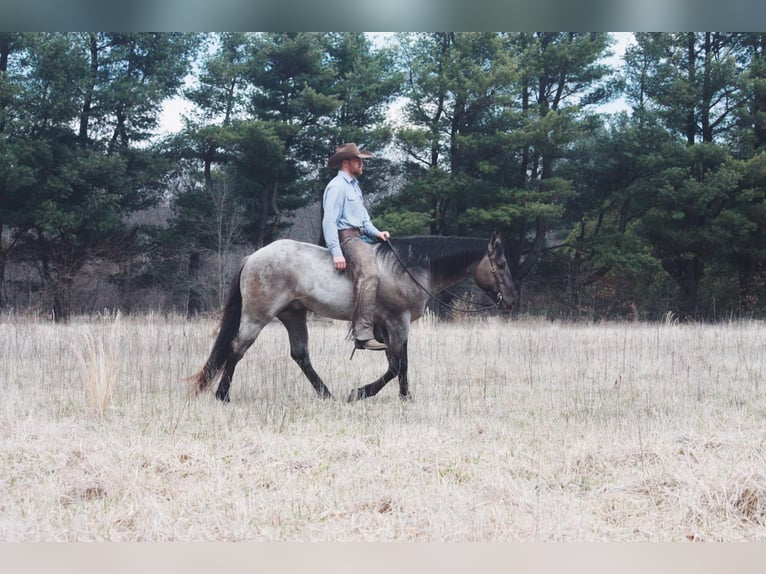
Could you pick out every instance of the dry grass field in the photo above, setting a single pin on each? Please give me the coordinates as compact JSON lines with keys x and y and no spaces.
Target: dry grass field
{"x":518,"y":431}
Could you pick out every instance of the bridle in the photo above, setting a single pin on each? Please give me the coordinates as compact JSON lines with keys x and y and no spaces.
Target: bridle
{"x":479,"y":308}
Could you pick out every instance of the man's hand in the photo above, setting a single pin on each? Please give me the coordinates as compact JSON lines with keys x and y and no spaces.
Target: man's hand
{"x":384,"y":235}
{"x":339,"y":262}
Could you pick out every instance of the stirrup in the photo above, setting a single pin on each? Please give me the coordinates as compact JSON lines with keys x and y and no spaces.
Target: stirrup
{"x":363,"y":345}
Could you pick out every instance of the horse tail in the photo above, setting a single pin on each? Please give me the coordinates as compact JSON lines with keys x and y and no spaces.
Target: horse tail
{"x":227,"y":331}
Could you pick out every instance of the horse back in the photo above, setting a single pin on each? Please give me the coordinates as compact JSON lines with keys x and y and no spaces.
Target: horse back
{"x":288,"y":272}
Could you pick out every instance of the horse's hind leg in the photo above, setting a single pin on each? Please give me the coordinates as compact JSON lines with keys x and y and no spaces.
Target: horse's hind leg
{"x":248,"y":333}
{"x":404,"y":383}
{"x":294,"y":321}
{"x":222,"y":392}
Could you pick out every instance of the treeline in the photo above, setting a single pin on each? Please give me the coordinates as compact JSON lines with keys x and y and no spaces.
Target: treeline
{"x":633,"y":214}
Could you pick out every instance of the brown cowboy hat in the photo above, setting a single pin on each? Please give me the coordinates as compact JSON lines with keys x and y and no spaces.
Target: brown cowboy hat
{"x":347,"y":151}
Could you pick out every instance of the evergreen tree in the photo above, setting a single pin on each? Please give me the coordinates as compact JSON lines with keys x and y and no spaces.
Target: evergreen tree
{"x":312,"y":91}
{"x":492,"y":115}
{"x":688,"y":82}
{"x":88,"y":100}
{"x":207,"y":218}
{"x":12,"y":177}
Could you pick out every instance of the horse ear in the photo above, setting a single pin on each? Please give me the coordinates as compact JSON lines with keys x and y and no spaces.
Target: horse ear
{"x":494,"y":241}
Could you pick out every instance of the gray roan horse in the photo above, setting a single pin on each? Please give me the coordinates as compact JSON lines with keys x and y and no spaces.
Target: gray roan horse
{"x":286,"y":279}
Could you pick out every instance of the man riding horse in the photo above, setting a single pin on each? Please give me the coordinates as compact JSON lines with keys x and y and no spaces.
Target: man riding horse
{"x":348,"y":232}
{"x":389,"y":286}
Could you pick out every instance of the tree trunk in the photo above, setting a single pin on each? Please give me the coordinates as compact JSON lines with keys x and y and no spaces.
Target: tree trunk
{"x":59,"y":289}
{"x":687,"y":273}
{"x":747,"y":269}
{"x":92,"y":80}
{"x":3,"y":261}
{"x":62,"y":300}
{"x":263,"y":217}
{"x":5,"y":50}
{"x":759,"y":102}
{"x":690,"y":128}
{"x":707,"y":91}
{"x":194,"y":299}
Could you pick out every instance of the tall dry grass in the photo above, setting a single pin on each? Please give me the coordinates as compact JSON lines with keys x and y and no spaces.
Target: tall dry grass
{"x":97,"y":356}
{"x":525,"y":430}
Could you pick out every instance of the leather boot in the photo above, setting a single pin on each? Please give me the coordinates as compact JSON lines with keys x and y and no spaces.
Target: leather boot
{"x":369,"y":344}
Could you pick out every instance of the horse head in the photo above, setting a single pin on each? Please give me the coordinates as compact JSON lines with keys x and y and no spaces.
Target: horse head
{"x":493,"y":275}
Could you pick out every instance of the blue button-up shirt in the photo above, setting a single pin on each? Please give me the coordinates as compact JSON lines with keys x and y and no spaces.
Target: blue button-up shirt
{"x":343,"y":209}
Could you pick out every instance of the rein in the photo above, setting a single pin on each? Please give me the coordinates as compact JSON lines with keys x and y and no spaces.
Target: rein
{"x":479,"y":309}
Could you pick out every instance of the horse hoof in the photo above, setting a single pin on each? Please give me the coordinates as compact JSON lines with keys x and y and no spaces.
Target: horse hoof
{"x":355,"y":395}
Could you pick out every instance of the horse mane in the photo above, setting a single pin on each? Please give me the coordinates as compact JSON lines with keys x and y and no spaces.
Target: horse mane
{"x":440,"y":256}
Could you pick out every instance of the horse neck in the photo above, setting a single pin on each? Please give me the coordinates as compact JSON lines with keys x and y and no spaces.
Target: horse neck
{"x":450,"y":259}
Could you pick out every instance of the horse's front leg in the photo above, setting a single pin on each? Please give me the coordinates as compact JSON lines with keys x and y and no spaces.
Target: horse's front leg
{"x":397,"y":366}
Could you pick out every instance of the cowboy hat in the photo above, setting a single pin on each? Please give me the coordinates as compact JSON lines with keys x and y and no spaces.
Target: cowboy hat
{"x":347,"y":151}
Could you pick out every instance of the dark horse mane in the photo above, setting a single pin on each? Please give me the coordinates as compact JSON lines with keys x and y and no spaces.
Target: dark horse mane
{"x":440,"y":256}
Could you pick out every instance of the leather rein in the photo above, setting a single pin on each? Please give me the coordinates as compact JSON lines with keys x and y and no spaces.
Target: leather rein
{"x":479,"y":308}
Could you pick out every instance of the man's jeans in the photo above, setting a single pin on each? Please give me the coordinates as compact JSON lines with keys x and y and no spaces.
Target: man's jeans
{"x":363,"y":269}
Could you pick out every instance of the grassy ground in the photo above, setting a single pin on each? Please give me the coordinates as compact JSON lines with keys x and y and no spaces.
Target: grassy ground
{"x":524,"y":430}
